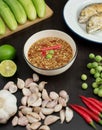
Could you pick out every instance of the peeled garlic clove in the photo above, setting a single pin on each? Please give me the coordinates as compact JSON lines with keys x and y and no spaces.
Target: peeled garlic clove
{"x":37,"y":109}
{"x":35,"y":77}
{"x":44,"y":127}
{"x":42,"y":85}
{"x":44,"y":103}
{"x":62,"y":116}
{"x":13,"y":88}
{"x":47,"y":111}
{"x":20,"y":114}
{"x":15,"y":121}
{"x":41,"y":115}
{"x":51,"y":104}
{"x":57,"y":108}
{"x":22,"y":121}
{"x":26,"y":110}
{"x":33,"y":84}
{"x":28,"y":127}
{"x":20,"y":83}
{"x":62,"y":101}
{"x":7,"y":85}
{"x":64,"y":95}
{"x":35,"y":115}
{"x":31,"y":99}
{"x":50,"y":119}
{"x":28,"y":81}
{"x":34,"y":89}
{"x":45,"y":95}
{"x":53,"y":95}
{"x":31,"y":119}
{"x":24,"y":100}
{"x":68,"y":114}
{"x":37,"y":103}
{"x":35,"y":125}
{"x":26,"y":92}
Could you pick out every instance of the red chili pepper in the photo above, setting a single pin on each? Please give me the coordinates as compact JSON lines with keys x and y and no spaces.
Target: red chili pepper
{"x":92,"y":108}
{"x":92,"y":102}
{"x":90,"y":113}
{"x":96,"y":101}
{"x":44,"y":53}
{"x":85,"y":116}
{"x":56,"y":47}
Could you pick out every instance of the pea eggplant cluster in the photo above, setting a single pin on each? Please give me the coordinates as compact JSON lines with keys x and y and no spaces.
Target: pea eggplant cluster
{"x":90,"y":113}
{"x":95,"y":69}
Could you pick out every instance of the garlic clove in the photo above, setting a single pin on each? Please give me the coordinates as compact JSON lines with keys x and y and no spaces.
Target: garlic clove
{"x":44,"y":103}
{"x":62,"y":101}
{"x":41,"y":115}
{"x":15,"y":121}
{"x":7,"y":85}
{"x":35,"y":125}
{"x":28,"y":81}
{"x":22,"y":121}
{"x":62,"y":116}
{"x":53,"y":95}
{"x":31,"y":119}
{"x":26,"y":110}
{"x":37,"y":109}
{"x":51,"y":104}
{"x":32,"y":84}
{"x":58,"y":108}
{"x":42,"y":85}
{"x":34,"y":88}
{"x":64,"y":95}
{"x":13,"y":88}
{"x":24,"y":100}
{"x":35,"y":77}
{"x":37,"y":103}
{"x":44,"y":127}
{"x":31,"y":99}
{"x":45,"y":95}
{"x":35,"y":115}
{"x":68,"y":114}
{"x":28,"y":127}
{"x":20,"y":83}
{"x":47,"y":111}
{"x":26,"y":92}
{"x":50,"y":119}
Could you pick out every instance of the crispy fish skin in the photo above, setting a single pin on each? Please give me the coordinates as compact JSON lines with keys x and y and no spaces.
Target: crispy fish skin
{"x":94,"y":23}
{"x":88,"y":11}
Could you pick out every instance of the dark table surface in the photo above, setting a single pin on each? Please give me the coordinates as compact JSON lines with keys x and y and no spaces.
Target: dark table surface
{"x":69,"y":80}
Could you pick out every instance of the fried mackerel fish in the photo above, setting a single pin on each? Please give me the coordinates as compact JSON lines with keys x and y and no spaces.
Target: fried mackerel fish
{"x":89,"y":11}
{"x":94,"y":23}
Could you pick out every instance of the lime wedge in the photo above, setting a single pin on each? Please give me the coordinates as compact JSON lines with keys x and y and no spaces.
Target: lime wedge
{"x":8,"y":68}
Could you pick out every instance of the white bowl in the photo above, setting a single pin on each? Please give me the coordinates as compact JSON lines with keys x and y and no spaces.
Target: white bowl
{"x":50,"y":33}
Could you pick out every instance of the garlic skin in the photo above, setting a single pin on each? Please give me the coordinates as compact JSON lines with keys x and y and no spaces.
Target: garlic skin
{"x":8,"y":106}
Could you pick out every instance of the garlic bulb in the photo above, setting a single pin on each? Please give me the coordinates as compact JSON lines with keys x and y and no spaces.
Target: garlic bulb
{"x":8,"y":106}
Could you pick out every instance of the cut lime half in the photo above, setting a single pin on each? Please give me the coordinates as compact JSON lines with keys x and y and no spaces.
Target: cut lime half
{"x":8,"y":68}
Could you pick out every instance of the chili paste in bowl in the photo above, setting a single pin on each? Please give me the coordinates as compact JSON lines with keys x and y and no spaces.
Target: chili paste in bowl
{"x":50,"y":52}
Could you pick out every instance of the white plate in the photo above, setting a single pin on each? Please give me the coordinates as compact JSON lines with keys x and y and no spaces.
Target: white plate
{"x":71,"y":13}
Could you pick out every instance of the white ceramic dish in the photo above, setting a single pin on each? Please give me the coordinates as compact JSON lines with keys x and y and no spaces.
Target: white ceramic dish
{"x":50,"y":33}
{"x":71,"y":13}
